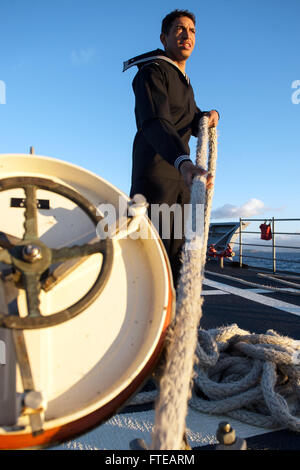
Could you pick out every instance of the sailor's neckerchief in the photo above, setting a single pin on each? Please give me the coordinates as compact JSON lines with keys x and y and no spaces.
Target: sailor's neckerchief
{"x":152,"y":55}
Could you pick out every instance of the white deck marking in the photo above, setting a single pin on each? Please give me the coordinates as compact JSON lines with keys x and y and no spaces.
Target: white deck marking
{"x":255,"y":289}
{"x":270,"y":302}
{"x":214,"y":292}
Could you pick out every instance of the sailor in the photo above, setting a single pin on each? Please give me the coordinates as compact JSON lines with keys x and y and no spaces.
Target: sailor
{"x":166,"y":117}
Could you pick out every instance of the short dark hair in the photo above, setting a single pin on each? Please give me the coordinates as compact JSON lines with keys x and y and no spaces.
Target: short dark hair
{"x":171,"y":17}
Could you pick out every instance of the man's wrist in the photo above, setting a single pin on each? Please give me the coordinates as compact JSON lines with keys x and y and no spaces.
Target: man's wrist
{"x":180,"y":160}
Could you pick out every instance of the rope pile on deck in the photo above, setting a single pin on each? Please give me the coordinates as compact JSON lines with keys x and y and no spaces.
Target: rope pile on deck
{"x":254,"y":378}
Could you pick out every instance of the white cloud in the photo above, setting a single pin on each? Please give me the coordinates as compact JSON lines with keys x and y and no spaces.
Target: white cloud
{"x":249,"y":209}
{"x":82,"y":56}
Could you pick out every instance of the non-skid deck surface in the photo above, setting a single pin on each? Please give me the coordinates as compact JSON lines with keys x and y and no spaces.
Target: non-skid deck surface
{"x":226,"y":301}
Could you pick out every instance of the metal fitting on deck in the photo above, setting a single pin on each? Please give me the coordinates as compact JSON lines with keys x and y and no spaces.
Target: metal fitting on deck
{"x":227,"y":438}
{"x":33,"y":402}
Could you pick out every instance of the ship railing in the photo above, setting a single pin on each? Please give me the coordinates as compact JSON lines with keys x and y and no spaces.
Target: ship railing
{"x":273,"y":245}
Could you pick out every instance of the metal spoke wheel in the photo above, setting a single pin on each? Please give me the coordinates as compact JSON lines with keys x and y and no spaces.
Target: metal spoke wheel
{"x":31,"y":258}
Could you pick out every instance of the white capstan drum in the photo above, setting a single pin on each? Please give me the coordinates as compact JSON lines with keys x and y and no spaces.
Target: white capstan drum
{"x":86,"y":297}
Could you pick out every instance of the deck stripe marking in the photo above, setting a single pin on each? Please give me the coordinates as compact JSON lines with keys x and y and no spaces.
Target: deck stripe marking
{"x":255,"y":289}
{"x":280,"y":305}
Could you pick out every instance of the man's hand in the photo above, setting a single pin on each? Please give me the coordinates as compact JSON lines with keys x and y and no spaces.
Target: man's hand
{"x":213,"y":118}
{"x":189,"y":170}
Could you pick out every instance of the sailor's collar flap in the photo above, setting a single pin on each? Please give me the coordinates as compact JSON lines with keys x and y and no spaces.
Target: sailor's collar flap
{"x":140,"y":59}
{"x":148,"y":56}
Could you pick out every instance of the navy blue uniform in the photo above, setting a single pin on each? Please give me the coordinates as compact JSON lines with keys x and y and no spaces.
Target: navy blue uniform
{"x":166,"y":117}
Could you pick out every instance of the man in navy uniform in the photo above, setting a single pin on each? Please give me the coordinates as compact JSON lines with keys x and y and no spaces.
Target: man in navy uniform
{"x":166,"y":117}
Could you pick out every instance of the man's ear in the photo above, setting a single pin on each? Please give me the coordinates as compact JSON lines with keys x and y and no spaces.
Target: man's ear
{"x":163,"y":39}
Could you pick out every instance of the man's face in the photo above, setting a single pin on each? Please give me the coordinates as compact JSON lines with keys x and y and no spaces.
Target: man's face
{"x":180,"y":41}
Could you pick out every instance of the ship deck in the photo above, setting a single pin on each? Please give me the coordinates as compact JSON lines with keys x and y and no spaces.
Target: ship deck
{"x":232,"y":295}
{"x":255,"y":309}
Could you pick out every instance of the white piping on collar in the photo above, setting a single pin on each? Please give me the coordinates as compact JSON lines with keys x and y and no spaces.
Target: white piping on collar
{"x":126,"y":64}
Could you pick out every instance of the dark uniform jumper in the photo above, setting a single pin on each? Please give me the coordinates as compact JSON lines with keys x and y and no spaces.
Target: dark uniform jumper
{"x":166,"y":117}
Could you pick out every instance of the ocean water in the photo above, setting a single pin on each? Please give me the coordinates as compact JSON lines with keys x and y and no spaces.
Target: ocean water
{"x":285,"y":261}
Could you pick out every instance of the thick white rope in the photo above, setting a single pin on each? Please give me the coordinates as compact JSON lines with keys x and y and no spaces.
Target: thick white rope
{"x":254,"y":378}
{"x":175,"y":383}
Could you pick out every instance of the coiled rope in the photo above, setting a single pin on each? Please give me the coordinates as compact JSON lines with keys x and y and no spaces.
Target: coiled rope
{"x":254,"y":378}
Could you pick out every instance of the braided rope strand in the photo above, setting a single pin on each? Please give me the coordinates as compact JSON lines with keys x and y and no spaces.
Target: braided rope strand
{"x":254,"y":378}
{"x":175,"y":384}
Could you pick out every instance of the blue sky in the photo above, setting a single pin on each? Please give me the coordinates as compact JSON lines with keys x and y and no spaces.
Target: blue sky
{"x":66,"y":95}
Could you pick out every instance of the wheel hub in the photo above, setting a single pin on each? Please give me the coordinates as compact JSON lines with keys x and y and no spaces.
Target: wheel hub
{"x":31,"y":253}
